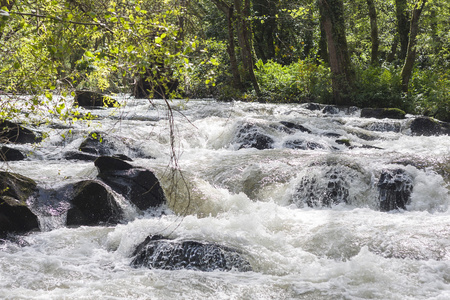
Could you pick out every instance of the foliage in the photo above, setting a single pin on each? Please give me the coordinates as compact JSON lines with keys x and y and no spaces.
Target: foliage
{"x":379,"y":87}
{"x":431,"y":93}
{"x":302,"y":81}
{"x":50,"y":48}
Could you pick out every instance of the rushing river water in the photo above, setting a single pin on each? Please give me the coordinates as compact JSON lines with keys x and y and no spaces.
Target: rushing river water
{"x":249,"y":199}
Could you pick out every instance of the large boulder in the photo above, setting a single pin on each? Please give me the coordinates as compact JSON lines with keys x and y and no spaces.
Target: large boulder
{"x":252,"y":136}
{"x":93,"y":99}
{"x":9,"y":154}
{"x":382,"y":113}
{"x":93,"y":204}
{"x":157,"y":252}
{"x":14,"y":133}
{"x":15,"y":216}
{"x":139,"y":186}
{"x":394,"y":189}
{"x":428,"y":127}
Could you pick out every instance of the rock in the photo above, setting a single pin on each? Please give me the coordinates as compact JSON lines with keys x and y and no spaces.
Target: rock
{"x":9,"y":154}
{"x":302,"y":145}
{"x":93,"y":99}
{"x":428,"y":127}
{"x":15,"y":216}
{"x":330,"y":110}
{"x":394,"y":188}
{"x":330,"y":190}
{"x":109,"y":164}
{"x":250,"y":136}
{"x":139,"y":186}
{"x":382,"y":113}
{"x":345,"y":142}
{"x":384,"y":127}
{"x":313,"y":106}
{"x":299,"y":127}
{"x":92,"y":204}
{"x":157,"y":252}
{"x":96,"y":144}
{"x":14,"y":133}
{"x":78,"y":155}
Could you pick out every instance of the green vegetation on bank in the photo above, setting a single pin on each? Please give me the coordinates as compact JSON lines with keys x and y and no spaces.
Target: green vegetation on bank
{"x":369,"y":53}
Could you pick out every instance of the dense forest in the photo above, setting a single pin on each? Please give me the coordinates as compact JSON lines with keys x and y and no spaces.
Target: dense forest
{"x":368,"y":53}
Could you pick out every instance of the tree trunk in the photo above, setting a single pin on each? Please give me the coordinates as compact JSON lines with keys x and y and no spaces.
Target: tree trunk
{"x":264,"y":27}
{"x":401,"y":7}
{"x":373,"y":31}
{"x":228,"y":10}
{"x":411,"y":53}
{"x":323,"y":50}
{"x":244,"y":34}
{"x":332,"y":14}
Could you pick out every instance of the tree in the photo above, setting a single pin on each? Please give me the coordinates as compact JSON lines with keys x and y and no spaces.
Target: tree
{"x":411,"y":51}
{"x":332,"y":15}
{"x":373,"y":31}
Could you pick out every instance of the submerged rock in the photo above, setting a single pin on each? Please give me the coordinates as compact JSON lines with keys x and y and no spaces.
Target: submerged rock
{"x":330,"y":190}
{"x":302,"y":145}
{"x":9,"y":154}
{"x":93,"y":204}
{"x":382,"y":113}
{"x":157,"y":252}
{"x":15,"y":215}
{"x":14,"y":133}
{"x":139,"y":186}
{"x":93,"y":99}
{"x":293,"y":127}
{"x":250,"y":136}
{"x":394,"y":188}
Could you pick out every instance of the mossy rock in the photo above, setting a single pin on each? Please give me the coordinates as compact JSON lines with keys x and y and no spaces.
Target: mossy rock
{"x":382,"y":113}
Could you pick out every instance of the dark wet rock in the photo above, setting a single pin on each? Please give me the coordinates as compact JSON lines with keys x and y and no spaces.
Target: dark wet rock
{"x":332,"y":134}
{"x":9,"y":154}
{"x":96,"y":144}
{"x":17,"y":134}
{"x":331,"y":110}
{"x":394,"y":188}
{"x":93,"y":99}
{"x":78,"y":155}
{"x":15,"y":215}
{"x":109,"y":164}
{"x":370,"y":147}
{"x":251,"y":136}
{"x":323,"y":192}
{"x":157,"y":252}
{"x":139,"y":186}
{"x":345,"y":142}
{"x":294,"y":127}
{"x":313,"y":106}
{"x":382,"y":113}
{"x":302,"y":145}
{"x":428,"y":127}
{"x":384,"y":127}
{"x":92,"y":204}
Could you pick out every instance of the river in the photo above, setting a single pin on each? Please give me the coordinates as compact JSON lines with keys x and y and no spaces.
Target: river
{"x":220,"y":190}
